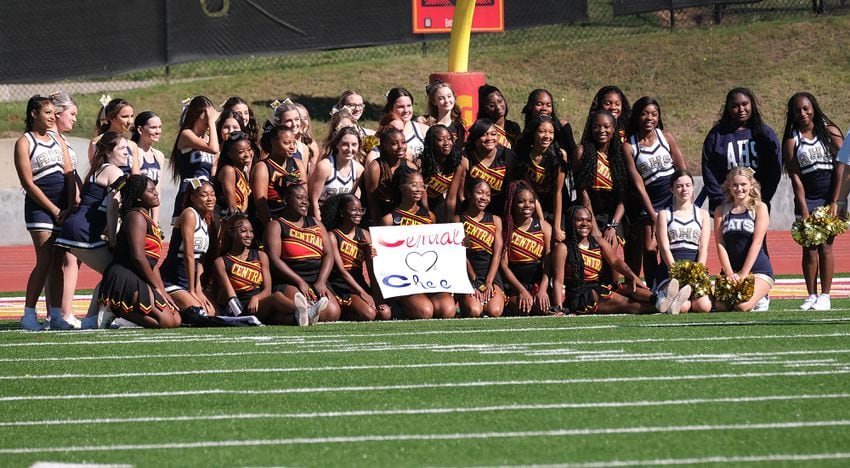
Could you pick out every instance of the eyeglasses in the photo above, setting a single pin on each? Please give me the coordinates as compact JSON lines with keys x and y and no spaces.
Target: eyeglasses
{"x":356,"y":106}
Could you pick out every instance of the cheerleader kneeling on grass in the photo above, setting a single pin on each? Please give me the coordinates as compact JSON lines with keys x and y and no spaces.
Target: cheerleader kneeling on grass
{"x":242,"y":271}
{"x":682,"y":232}
{"x":409,"y":190}
{"x":483,"y":232}
{"x":352,"y":247}
{"x":740,"y":228}
{"x":526,"y":255}
{"x":587,"y":256}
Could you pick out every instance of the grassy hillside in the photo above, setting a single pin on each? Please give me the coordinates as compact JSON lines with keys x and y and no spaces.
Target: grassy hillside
{"x":688,"y":71}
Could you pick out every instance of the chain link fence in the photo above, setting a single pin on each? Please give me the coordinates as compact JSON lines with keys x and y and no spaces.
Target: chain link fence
{"x":605,"y":19}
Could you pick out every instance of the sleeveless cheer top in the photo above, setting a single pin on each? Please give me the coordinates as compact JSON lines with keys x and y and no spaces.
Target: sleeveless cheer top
{"x":655,"y":166}
{"x":815,"y":166}
{"x":738,"y":229}
{"x":525,"y":252}
{"x":406,"y":218}
{"x":302,"y":247}
{"x":245,"y":276}
{"x":480,"y":235}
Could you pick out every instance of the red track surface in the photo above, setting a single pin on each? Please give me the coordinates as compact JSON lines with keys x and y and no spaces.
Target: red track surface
{"x":17,"y":262}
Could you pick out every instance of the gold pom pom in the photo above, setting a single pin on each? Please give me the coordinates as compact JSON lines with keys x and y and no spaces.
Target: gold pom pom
{"x":726,"y":290}
{"x":694,"y":274}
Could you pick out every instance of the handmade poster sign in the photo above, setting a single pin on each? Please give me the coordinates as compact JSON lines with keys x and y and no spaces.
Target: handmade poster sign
{"x":420,"y":259}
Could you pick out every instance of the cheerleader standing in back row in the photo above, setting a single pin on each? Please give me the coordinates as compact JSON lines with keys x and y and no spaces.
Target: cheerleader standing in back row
{"x":301,"y":256}
{"x":443,"y":110}
{"x":117,"y":116}
{"x":400,"y":101}
{"x":353,"y":250}
{"x":46,"y":174}
{"x":740,"y":139}
{"x":740,"y":226}
{"x":409,"y":190}
{"x":147,"y":129}
{"x":483,"y":253}
{"x":809,"y":149}
{"x":195,"y":149}
{"x":526,"y":255}
{"x":492,"y":105}
{"x":131,"y":285}
{"x":540,"y":102}
{"x":183,"y":268}
{"x":243,"y":273}
{"x":682,"y":232}
{"x":238,"y":106}
{"x":651,"y":156}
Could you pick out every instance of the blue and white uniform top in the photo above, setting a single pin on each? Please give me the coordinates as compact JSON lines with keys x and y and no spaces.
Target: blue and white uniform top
{"x":152,"y":170}
{"x":815,"y":164}
{"x":683,"y":234}
{"x":46,"y":159}
{"x":200,"y":239}
{"x":336,"y":183}
{"x":71,"y":153}
{"x":655,"y":165}
{"x":83,"y":229}
{"x":738,"y":230}
{"x":198,"y":164}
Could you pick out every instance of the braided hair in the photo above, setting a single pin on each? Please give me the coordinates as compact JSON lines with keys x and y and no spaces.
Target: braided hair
{"x":820,"y":121}
{"x":552,"y":160}
{"x":132,"y":187}
{"x":514,"y":188}
{"x":575,"y":260}
{"x":587,"y":170}
{"x":333,"y":209}
{"x":428,"y":157}
{"x":228,"y":226}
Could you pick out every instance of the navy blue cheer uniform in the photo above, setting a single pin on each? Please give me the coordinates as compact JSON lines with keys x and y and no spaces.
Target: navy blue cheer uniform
{"x":815,"y":164}
{"x":738,"y":232}
{"x":48,"y":172}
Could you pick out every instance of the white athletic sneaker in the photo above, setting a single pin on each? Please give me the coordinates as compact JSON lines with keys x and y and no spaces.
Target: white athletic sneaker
{"x":809,"y":302}
{"x":30,"y":322}
{"x":676,"y":304}
{"x":823,"y":303}
{"x":316,"y":309}
{"x":669,"y":294}
{"x":104,"y":317}
{"x":762,"y":305}
{"x":301,"y":310}
{"x":73,"y":321}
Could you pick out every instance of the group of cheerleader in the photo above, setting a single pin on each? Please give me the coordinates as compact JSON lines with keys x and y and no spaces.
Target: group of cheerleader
{"x":268,"y":225}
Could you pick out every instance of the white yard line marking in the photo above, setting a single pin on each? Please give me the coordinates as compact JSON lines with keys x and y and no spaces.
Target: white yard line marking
{"x":488,"y":349}
{"x":614,"y":356}
{"x":363,"y":388}
{"x":430,"y":437}
{"x":697,"y":461}
{"x":424,"y":411}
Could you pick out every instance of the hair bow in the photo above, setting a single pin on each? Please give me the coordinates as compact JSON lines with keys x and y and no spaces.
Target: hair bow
{"x":104,"y":100}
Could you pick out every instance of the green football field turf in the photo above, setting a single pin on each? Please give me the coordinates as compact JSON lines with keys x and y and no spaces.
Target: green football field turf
{"x":758,"y":389}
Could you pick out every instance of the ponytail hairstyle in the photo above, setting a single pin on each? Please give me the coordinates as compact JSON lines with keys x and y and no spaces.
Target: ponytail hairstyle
{"x":272,"y":134}
{"x":132,"y":189}
{"x":283,"y":108}
{"x":62,"y":101}
{"x":392,"y":97}
{"x":107,"y":113}
{"x":335,"y":125}
{"x":225,"y":159}
{"x":515,"y":188}
{"x":633,"y":125}
{"x":333,"y":209}
{"x":250,"y":127}
{"x":586,"y":176}
{"x":196,"y":108}
{"x":193,"y":188}
{"x":141,"y":120}
{"x":575,"y":260}
{"x":106,"y":145}
{"x":34,"y":105}
{"x":820,"y":121}
{"x":428,"y":158}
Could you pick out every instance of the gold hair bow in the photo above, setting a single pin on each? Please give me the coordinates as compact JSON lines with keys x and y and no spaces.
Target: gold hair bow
{"x":104,"y":100}
{"x":195,"y":182}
